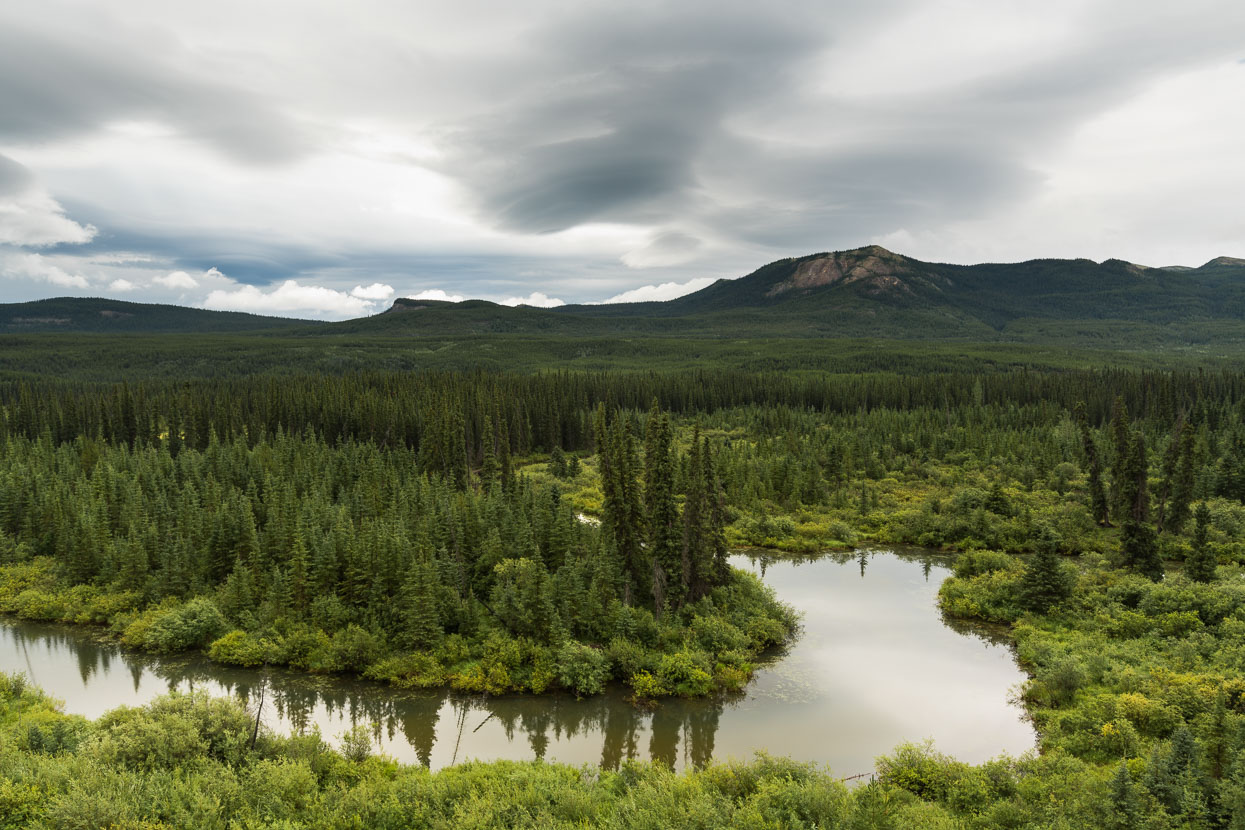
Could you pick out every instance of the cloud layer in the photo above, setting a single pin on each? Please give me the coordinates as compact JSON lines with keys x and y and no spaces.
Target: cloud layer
{"x":328,"y":158}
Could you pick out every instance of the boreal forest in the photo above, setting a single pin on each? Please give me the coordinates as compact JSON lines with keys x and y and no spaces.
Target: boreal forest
{"x":568,"y":532}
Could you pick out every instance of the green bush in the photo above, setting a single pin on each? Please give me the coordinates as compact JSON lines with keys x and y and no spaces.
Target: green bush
{"x":182,"y":627}
{"x":685,"y":674}
{"x":716,"y":634}
{"x":978,"y":562}
{"x":582,"y":669}
{"x":238,"y":648}
{"x":354,"y":648}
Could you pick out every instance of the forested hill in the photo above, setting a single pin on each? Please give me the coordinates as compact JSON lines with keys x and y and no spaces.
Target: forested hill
{"x":875,"y":284}
{"x":89,"y":314}
{"x":865,"y":292}
{"x":873,"y":292}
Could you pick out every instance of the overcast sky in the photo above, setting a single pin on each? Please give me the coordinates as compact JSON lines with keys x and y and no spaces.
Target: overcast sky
{"x":316,"y":159}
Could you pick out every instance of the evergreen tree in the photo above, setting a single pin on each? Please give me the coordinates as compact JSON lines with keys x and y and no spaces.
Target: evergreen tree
{"x":522,"y":599}
{"x":1201,"y":562}
{"x":420,"y":614}
{"x":669,"y":582}
{"x":1139,"y":549}
{"x":1181,"y":496}
{"x":490,"y":468}
{"x":1098,"y":505}
{"x":1045,"y":583}
{"x":621,"y":513}
{"x":1125,"y":801}
{"x":1122,"y":444}
{"x":1138,"y":546}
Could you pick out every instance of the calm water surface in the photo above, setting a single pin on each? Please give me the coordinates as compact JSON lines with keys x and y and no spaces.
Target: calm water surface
{"x":875,"y":665}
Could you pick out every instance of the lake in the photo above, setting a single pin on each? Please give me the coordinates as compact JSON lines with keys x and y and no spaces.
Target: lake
{"x":874,"y":665}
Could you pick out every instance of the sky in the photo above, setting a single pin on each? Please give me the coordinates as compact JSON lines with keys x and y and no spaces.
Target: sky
{"x":318,"y":159}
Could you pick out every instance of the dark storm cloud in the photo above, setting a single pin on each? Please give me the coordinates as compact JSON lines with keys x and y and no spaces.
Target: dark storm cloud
{"x":697,"y":137}
{"x":640,"y":93}
{"x":52,"y":87}
{"x":652,"y":95}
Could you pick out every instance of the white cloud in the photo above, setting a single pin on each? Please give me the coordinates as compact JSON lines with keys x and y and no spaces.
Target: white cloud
{"x":35,"y":267}
{"x":121,"y":285}
{"x":34,"y":219}
{"x":375,"y":291}
{"x":659,"y":293}
{"x":178,"y":280}
{"x":536,"y":299}
{"x":29,"y":216}
{"x":288,"y":298}
{"x":437,"y":294}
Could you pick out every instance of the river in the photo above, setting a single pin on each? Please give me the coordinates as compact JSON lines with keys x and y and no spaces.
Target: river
{"x":874,"y":665}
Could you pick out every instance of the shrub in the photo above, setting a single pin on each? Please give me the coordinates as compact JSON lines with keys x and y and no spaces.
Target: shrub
{"x":354,"y":648}
{"x":715,"y":634}
{"x":356,"y":743}
{"x":978,"y":562}
{"x":277,"y":789}
{"x":685,"y":674}
{"x":647,"y":686}
{"x":192,"y":625}
{"x":238,"y":648}
{"x":582,"y":669}
{"x":419,"y":670}
{"x":1062,"y":679}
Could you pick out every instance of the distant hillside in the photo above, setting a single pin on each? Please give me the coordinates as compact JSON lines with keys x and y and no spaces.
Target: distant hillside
{"x":867,"y":292}
{"x":83,"y":314}
{"x":876,"y":284}
{"x":873,"y":292}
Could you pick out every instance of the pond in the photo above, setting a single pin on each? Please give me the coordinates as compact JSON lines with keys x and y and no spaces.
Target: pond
{"x":874,"y":665}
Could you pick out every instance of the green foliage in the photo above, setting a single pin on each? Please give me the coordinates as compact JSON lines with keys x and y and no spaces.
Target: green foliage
{"x":1201,"y":562}
{"x":192,"y":625}
{"x":1046,"y":582}
{"x":582,"y":669}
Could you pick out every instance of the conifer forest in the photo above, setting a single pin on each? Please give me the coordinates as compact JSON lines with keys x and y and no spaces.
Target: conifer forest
{"x":568,"y":532}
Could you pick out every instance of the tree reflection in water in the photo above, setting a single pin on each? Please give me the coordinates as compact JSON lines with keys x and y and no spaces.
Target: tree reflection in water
{"x":680,"y":732}
{"x":814,"y":700}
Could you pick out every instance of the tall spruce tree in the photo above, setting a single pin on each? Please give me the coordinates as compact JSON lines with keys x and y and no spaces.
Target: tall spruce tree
{"x":1121,"y":446}
{"x":1045,"y":583}
{"x":669,"y":580}
{"x":1201,"y":562}
{"x":1099,"y":507}
{"x":1138,"y":545}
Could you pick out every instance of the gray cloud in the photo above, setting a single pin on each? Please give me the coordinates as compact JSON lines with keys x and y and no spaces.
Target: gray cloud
{"x":655,"y":92}
{"x":453,"y":145}
{"x":14,"y":177}
{"x":53,"y":87}
{"x":644,"y":91}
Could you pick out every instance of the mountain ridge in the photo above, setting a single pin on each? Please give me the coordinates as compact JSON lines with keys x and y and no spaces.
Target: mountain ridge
{"x":102,"y":314}
{"x":860,"y":292}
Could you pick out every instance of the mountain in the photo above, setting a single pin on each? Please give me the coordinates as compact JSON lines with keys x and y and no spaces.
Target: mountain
{"x":865,"y":292}
{"x":873,"y":292}
{"x":880,"y":285}
{"x":87,"y":314}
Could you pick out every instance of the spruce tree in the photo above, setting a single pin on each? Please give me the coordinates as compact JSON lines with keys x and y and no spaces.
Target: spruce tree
{"x":1125,"y":802}
{"x":1138,"y":546}
{"x":490,"y":467}
{"x":1121,"y":445}
{"x":1045,"y":583}
{"x":420,"y":613}
{"x":1201,"y":561}
{"x":1182,"y":488}
{"x":670,"y":574}
{"x":1099,"y":508}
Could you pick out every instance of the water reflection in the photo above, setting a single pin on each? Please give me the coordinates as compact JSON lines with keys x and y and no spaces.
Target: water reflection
{"x":872,"y":667}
